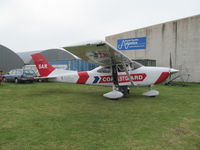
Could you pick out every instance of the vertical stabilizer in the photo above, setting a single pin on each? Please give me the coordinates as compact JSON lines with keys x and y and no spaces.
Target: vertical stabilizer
{"x":42,"y":65}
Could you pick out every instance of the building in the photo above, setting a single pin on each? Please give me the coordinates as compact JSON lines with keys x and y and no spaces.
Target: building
{"x":9,"y":59}
{"x":172,"y":44}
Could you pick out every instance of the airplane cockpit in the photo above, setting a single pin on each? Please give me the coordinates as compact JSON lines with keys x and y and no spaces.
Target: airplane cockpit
{"x":104,"y":70}
{"x":120,"y":68}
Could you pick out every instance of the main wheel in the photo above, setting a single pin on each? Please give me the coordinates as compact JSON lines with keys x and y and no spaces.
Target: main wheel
{"x":16,"y":80}
{"x":125,"y":90}
{"x":4,"y":79}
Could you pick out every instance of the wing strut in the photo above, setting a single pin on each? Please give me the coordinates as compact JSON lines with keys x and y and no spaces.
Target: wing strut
{"x":115,"y":93}
{"x":127,"y":73}
{"x":115,"y":75}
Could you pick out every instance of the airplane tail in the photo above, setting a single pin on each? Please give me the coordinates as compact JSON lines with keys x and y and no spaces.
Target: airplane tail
{"x":44,"y":68}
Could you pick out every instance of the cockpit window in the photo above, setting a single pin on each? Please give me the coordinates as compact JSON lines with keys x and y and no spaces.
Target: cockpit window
{"x":120,"y":67}
{"x":135,"y":65}
{"x":131,"y":66}
{"x":104,"y":70}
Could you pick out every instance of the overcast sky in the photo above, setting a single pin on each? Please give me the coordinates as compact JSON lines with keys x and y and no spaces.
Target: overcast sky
{"x":27,"y":25}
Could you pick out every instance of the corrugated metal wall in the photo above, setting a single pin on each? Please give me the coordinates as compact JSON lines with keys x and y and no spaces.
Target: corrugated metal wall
{"x":75,"y":64}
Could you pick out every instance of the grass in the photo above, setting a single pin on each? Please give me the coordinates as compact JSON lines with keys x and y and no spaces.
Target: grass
{"x":56,"y":116}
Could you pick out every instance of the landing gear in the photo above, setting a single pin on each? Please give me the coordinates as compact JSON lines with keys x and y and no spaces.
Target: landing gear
{"x":115,"y":94}
{"x":16,"y":80}
{"x":125,"y":90}
{"x":118,"y":91}
{"x":151,"y":92}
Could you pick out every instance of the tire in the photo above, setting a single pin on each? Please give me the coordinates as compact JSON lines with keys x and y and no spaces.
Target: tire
{"x":4,"y":79}
{"x":16,"y":80}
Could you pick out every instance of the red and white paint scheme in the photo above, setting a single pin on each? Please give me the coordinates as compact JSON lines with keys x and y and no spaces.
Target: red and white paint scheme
{"x":129,"y":73}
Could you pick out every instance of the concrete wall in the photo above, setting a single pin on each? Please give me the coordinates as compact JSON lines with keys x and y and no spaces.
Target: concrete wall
{"x":179,"y":38}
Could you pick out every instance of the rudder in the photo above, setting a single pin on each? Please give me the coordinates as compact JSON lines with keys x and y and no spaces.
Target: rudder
{"x":44,"y":68}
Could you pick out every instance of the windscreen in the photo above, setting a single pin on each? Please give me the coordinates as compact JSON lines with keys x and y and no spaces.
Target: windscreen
{"x":29,"y":72}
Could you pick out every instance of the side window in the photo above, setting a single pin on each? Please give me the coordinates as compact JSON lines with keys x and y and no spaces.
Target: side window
{"x":131,"y":66}
{"x":104,"y":70}
{"x":11,"y":72}
{"x":134,"y":65}
{"x":19,"y":72}
{"x":29,"y":72}
{"x":120,"y":68}
{"x":26,"y":72}
{"x":14,"y":72}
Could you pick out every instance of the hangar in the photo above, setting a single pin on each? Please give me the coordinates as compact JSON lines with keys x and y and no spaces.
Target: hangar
{"x":9,"y":59}
{"x":58,"y":58}
{"x":172,"y":44}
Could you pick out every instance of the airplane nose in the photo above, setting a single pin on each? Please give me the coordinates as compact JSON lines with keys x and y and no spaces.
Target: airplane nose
{"x":171,"y":70}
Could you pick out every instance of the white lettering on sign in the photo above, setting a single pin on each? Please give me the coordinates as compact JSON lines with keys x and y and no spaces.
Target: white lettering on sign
{"x":127,"y":43}
{"x":42,"y":66}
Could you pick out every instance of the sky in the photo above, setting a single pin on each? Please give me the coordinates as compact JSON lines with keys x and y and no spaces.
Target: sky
{"x":28,"y":25}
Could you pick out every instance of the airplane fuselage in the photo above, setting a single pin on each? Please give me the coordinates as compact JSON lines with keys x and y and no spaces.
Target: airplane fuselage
{"x":118,"y":75}
{"x":142,"y":76}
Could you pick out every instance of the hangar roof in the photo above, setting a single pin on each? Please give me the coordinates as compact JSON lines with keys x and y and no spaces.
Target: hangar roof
{"x":9,"y":59}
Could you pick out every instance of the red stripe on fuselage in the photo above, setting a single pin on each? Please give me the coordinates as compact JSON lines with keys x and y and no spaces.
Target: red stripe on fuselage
{"x":83,"y":77}
{"x":123,"y":78}
{"x":162,"y":77}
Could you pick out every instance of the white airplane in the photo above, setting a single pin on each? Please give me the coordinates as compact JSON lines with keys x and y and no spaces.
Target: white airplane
{"x":116,"y":70}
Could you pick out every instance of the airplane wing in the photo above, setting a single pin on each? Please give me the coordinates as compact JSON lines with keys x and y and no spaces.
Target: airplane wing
{"x":101,"y":53}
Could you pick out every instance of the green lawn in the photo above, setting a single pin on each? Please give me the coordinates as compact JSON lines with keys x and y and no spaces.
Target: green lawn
{"x":56,"y":116}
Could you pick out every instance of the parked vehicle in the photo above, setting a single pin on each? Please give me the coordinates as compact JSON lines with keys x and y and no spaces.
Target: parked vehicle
{"x":20,"y":75}
{"x":1,"y":78}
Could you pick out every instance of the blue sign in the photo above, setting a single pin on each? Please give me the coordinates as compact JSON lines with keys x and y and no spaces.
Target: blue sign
{"x":132,"y":43}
